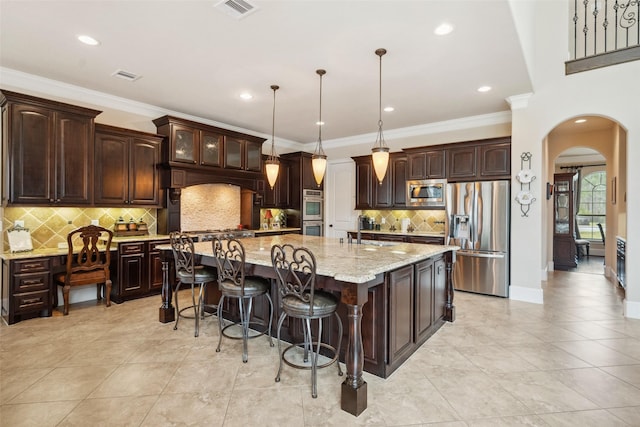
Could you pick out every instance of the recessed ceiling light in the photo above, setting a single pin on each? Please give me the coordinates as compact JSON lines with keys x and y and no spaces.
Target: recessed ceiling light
{"x":389,"y":109}
{"x":246,"y":96}
{"x":581,"y":120}
{"x":320,"y":123}
{"x":88,"y":40}
{"x":484,"y":88}
{"x":443,"y":29}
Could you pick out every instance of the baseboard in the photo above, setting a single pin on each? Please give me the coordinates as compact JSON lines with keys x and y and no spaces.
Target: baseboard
{"x":520,"y":293}
{"x":631,"y":309}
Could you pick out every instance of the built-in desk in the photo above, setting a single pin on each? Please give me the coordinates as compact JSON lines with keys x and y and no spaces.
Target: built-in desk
{"x":408,"y":288}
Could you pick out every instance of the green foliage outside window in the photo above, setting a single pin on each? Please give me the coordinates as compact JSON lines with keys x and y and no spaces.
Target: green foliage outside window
{"x":593,"y":205}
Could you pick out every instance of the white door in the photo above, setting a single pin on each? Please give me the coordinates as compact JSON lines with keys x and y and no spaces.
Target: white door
{"x":340,"y":198}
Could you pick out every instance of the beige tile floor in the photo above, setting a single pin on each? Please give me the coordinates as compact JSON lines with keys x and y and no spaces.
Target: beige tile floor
{"x":574,"y":361}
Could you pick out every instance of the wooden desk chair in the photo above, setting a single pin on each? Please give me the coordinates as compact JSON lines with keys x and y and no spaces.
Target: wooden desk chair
{"x":89,"y":265}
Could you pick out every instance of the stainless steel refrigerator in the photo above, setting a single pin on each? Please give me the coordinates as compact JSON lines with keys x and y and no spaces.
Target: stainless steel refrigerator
{"x":478,"y":222}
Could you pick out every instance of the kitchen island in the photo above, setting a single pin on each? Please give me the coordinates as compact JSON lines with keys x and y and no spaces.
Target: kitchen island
{"x":408,"y":287}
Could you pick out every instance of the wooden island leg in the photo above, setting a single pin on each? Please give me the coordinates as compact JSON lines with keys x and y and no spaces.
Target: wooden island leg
{"x":354,"y":387}
{"x":166,"y":312}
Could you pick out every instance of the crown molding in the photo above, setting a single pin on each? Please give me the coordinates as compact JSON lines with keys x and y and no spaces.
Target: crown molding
{"x":426,"y":129}
{"x":41,"y":86}
{"x":518,"y":102}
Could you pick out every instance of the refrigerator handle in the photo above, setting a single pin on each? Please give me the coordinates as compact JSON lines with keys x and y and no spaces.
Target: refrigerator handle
{"x":480,"y":254}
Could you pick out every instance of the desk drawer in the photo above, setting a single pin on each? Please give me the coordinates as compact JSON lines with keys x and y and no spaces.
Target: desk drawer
{"x":31,"y":265}
{"x":131,"y":248}
{"x":31,"y":282}
{"x":31,"y":301}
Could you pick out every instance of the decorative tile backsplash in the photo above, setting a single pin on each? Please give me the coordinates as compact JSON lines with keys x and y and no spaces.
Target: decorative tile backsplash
{"x":426,"y":221}
{"x":50,"y":226}
{"x":210,"y":207}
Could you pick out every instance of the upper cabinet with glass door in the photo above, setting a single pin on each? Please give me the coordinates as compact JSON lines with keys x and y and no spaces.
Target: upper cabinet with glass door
{"x":201,"y":146}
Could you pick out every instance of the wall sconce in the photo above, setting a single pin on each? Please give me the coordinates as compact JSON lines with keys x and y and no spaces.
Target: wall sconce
{"x":549,"y":190}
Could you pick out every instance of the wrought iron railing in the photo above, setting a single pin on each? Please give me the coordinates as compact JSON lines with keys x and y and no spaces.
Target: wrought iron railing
{"x":604,"y":32}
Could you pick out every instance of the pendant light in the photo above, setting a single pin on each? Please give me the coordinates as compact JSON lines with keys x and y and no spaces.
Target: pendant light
{"x":319,"y":159}
{"x":380,"y":151}
{"x":272,"y":165}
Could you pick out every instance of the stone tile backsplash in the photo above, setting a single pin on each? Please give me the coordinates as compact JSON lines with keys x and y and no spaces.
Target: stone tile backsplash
{"x":50,"y":226}
{"x":426,"y":221}
{"x":210,"y":207}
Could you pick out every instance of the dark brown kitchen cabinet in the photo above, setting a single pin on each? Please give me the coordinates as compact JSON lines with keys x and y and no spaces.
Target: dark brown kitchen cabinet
{"x":301,"y":177}
{"x":280,"y":195}
{"x":126,"y":167}
{"x":26,"y":289}
{"x":439,"y":290}
{"x":495,"y":160}
{"x":425,"y":277}
{"x":426,"y":164}
{"x":204,"y":147}
{"x":50,"y":151}
{"x":417,"y":299}
{"x":462,"y":163}
{"x":428,"y":240}
{"x":401,"y":313}
{"x":154,"y":267}
{"x":139,"y":270}
{"x":399,"y":164}
{"x":193,"y":146}
{"x":364,"y":182}
{"x":370,"y":193}
{"x":242,"y":154}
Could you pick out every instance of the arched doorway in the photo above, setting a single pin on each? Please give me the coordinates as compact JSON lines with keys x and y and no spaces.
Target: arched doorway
{"x":596,"y":147}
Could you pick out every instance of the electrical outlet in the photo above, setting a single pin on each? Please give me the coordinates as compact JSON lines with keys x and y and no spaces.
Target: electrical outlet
{"x":63,"y":246}
{"x":95,"y":222}
{"x":18,"y":223}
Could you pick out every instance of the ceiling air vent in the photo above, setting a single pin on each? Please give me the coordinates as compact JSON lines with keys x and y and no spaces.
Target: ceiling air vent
{"x":126,"y":75}
{"x":236,"y":8}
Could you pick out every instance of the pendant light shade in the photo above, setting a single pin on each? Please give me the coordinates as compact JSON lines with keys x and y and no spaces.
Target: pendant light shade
{"x":319,"y":159}
{"x":272,"y":164}
{"x":380,"y":151}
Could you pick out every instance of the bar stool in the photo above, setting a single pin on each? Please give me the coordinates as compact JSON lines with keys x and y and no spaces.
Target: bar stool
{"x":232,"y":282}
{"x":187,"y":272}
{"x":296,"y":274}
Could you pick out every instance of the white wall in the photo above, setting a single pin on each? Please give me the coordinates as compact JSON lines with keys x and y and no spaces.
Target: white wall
{"x":611,"y":92}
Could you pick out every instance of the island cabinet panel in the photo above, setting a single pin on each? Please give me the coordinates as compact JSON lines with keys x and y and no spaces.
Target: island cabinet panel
{"x":424,"y":297}
{"x":401,"y":312}
{"x":126,"y":167}
{"x":439,"y":291}
{"x":49,"y":152}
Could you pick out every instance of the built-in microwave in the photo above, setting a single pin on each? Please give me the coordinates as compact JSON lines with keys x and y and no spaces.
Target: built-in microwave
{"x":428,"y":193}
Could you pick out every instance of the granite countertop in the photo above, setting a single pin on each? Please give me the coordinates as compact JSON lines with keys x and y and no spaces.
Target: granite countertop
{"x":39,"y":253}
{"x":400,"y":233}
{"x":343,"y":261}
